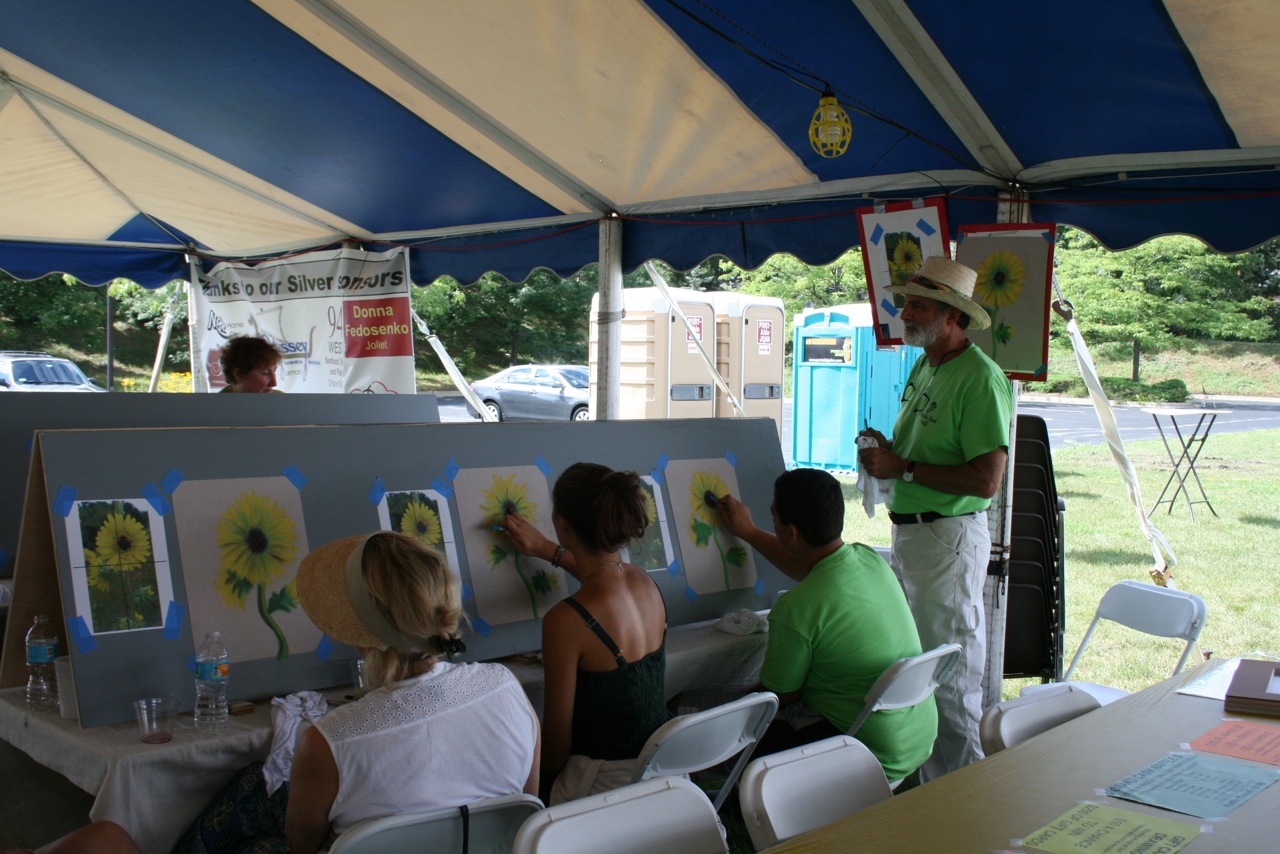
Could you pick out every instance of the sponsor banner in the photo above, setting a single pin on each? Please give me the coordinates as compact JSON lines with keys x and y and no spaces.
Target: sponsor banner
{"x":341,"y":318}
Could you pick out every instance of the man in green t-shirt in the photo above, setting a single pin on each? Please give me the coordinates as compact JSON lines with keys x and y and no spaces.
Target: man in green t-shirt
{"x":948,"y":455}
{"x":834,"y":633}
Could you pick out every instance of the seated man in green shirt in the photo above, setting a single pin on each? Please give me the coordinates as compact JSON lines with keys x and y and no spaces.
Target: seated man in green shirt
{"x":834,"y":633}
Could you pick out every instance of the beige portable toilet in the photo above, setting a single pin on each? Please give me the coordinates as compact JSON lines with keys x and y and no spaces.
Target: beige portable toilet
{"x":750,"y":354}
{"x":661,"y":374}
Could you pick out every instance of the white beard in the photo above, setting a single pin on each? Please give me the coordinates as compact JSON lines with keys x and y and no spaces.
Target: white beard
{"x":923,"y":336}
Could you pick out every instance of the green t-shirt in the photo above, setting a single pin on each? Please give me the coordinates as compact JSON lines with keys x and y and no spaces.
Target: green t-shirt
{"x":948,"y":417}
{"x":830,"y":638}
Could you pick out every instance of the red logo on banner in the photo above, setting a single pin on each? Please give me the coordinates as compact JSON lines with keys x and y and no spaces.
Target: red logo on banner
{"x":764,"y":331}
{"x":378,"y":327}
{"x":695,"y":323}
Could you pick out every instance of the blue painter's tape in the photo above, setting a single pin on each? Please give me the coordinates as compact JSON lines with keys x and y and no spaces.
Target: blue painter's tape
{"x":877,"y":234}
{"x":324,"y":649}
{"x":377,"y":491}
{"x":29,"y":444}
{"x":658,"y":476}
{"x":451,"y":470}
{"x":889,"y":308}
{"x":191,"y":663}
{"x":1041,"y":371}
{"x":4,"y":557}
{"x":66,"y":498}
{"x":79,"y":632}
{"x":663,"y":459}
{"x":171,"y":481}
{"x":673,"y":569}
{"x":925,"y":228}
{"x":690,"y":594}
{"x":759,"y":586}
{"x":543,"y":465}
{"x":158,"y":502}
{"x":297,"y":478}
{"x":466,"y":593}
{"x":733,"y":461}
{"x":481,"y":627}
{"x":173,"y":620}
{"x":1049,"y":236}
{"x":443,"y":488}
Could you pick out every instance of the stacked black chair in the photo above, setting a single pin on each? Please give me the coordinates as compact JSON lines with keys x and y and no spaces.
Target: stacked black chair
{"x":1036,"y":607}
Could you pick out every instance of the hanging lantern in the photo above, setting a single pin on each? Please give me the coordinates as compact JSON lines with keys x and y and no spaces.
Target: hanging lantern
{"x":830,"y":130}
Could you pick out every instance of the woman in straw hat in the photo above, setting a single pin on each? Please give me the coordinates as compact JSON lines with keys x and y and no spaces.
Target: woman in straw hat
{"x":602,"y":647}
{"x":431,"y":734}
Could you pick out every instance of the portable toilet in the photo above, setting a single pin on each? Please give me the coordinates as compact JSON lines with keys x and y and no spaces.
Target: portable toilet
{"x":841,"y":383}
{"x":750,"y":354}
{"x":662,"y":374}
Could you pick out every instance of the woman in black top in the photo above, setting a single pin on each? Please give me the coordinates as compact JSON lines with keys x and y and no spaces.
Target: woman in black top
{"x":603,"y":647}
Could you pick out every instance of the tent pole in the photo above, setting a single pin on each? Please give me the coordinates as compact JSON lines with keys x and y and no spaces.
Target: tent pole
{"x":199,"y":372}
{"x":111,"y":356}
{"x":609,"y":321}
{"x":163,"y":349}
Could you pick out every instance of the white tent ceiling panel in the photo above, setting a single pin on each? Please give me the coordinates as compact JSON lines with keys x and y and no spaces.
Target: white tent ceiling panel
{"x":1234,"y":44}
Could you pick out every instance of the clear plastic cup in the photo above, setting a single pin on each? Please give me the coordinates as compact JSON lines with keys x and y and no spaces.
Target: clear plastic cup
{"x":155,"y":718}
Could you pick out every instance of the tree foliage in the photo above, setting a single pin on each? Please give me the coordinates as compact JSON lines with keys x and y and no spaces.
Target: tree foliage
{"x":56,"y":303}
{"x":1169,"y":287}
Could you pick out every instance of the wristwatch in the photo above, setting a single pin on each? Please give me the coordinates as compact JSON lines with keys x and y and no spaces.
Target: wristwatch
{"x":909,"y":475}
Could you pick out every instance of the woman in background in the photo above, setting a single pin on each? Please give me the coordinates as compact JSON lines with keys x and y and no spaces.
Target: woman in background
{"x":249,"y":365}
{"x":602,"y":648}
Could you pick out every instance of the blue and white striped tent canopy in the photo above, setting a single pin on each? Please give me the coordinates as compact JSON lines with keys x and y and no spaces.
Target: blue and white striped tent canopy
{"x":495,"y":134}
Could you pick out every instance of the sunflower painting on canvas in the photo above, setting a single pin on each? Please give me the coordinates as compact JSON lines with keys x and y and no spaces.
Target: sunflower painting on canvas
{"x":240,"y":542}
{"x":714,"y":560}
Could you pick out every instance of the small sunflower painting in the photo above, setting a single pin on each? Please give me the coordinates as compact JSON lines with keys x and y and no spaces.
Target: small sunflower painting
{"x":653,"y":550}
{"x":1013,"y":286}
{"x":241,"y":541}
{"x":508,"y":586}
{"x":424,"y":515}
{"x":714,"y":560}
{"x":905,"y":255}
{"x":895,"y":239}
{"x":122,"y":581}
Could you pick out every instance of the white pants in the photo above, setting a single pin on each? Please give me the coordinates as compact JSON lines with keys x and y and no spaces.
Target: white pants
{"x":942,"y":566}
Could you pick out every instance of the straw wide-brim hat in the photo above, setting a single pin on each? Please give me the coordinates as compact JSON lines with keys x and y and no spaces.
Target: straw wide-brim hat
{"x":948,"y":282}
{"x":322,"y":590}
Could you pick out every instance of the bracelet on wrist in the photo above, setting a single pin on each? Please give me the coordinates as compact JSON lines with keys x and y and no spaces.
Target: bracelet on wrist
{"x":558,"y":556}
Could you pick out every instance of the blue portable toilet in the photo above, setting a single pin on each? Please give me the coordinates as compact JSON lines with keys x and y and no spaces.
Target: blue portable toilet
{"x":842,"y":382}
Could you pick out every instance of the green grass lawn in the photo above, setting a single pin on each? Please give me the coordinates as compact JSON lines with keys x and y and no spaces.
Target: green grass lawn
{"x":1229,"y":560}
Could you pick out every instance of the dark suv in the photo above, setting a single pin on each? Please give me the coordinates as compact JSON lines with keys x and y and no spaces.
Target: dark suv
{"x":28,"y":371}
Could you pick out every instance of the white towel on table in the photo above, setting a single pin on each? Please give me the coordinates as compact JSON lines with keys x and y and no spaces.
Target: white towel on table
{"x":287,"y":714}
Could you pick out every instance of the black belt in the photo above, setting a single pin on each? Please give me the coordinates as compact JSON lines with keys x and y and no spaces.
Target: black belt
{"x":912,"y":518}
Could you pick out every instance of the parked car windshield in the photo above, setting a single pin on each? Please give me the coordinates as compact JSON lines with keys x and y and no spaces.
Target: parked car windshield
{"x":576,"y":377}
{"x":41,"y":372}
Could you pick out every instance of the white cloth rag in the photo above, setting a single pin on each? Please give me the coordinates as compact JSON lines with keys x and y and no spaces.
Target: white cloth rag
{"x":874,"y":490}
{"x":287,"y":714}
{"x":744,"y":622}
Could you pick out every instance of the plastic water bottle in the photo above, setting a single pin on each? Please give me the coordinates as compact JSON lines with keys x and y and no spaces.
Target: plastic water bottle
{"x":42,"y":649}
{"x":213,"y":671}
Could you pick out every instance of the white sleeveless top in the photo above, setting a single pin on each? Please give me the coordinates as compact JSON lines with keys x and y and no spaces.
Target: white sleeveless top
{"x":457,"y":733}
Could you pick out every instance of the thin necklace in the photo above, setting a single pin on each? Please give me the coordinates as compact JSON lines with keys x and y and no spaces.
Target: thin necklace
{"x":617,"y":563}
{"x":945,"y":356}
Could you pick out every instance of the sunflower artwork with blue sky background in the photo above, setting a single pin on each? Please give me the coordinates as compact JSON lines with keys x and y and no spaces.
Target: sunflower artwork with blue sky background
{"x":257,"y":540}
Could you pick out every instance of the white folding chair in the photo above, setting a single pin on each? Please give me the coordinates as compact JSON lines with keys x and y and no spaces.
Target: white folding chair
{"x":698,"y":741}
{"x":1014,"y":721}
{"x":794,"y":791}
{"x":907,"y":682}
{"x":1143,"y":607}
{"x":489,"y":827}
{"x":666,"y":814}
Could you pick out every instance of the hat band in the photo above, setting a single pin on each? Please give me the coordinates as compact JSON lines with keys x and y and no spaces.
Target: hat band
{"x":932,"y":285}
{"x":366,"y":610}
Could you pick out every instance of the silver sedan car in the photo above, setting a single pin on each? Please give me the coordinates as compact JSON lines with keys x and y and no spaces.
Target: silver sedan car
{"x":536,"y":393}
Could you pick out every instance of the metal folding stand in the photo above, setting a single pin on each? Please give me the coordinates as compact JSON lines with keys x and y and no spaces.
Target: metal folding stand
{"x":1190,"y":444}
